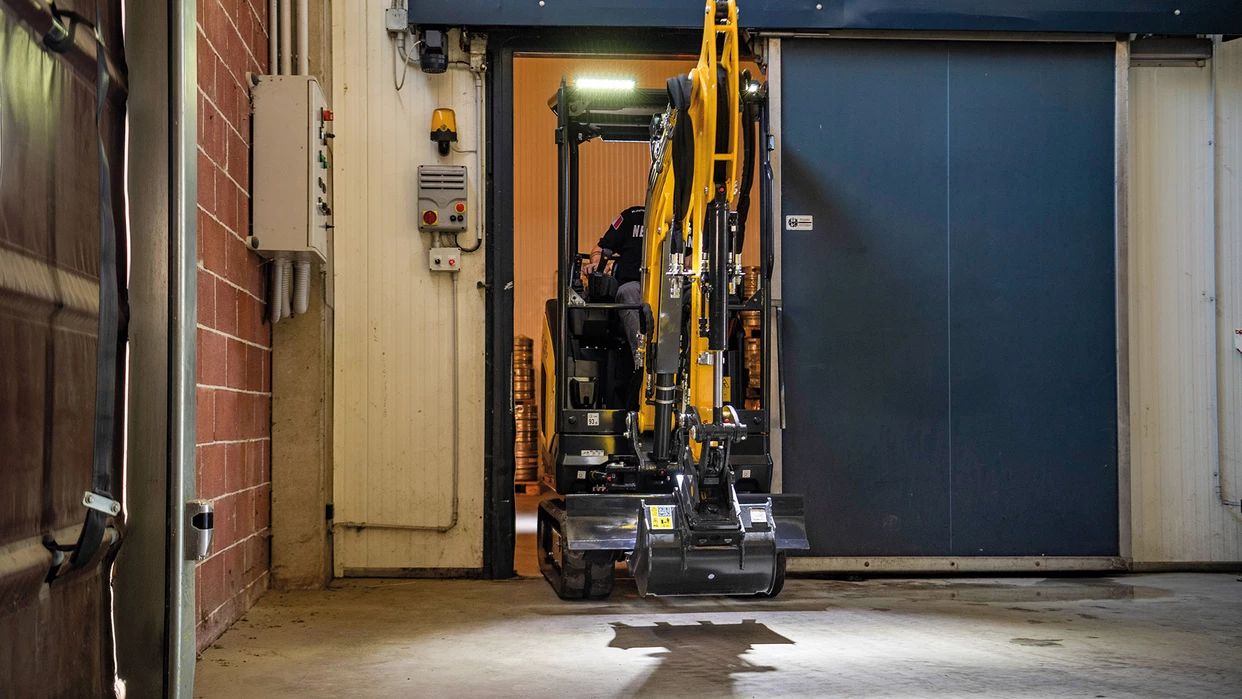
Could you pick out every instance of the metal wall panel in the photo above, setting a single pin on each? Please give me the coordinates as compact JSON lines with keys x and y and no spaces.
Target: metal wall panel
{"x":1032,"y":301}
{"x":394,"y":376}
{"x":949,"y":323}
{"x":1184,"y":414}
{"x":1229,"y":290}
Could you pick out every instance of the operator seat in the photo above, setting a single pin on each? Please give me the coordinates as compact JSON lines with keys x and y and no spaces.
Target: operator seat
{"x":598,"y":362}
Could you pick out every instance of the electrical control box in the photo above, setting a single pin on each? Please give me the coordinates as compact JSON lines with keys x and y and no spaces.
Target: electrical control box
{"x":442,"y":198}
{"x":445,"y":259}
{"x":292,"y":173}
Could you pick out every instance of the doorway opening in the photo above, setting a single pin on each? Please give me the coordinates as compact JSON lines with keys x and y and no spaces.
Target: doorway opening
{"x":612,"y":178}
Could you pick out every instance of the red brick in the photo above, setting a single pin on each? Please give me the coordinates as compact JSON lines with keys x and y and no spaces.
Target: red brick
{"x":215,"y":246}
{"x":214,"y":21}
{"x":236,"y":365}
{"x":226,"y":308}
{"x":254,"y":368}
{"x":226,"y":94}
{"x":226,"y":202}
{"x":205,"y":416}
{"x":243,"y":213}
{"x":225,"y":522}
{"x":252,"y":327}
{"x":206,"y":298}
{"x":236,"y":476}
{"x":235,"y":54}
{"x":212,"y":138}
{"x":245,"y":513}
{"x":263,"y":507}
{"x":246,"y":417}
{"x":239,"y":160}
{"x":267,"y":461}
{"x":211,"y":357}
{"x":256,"y":277}
{"x":228,"y":72}
{"x":214,"y":626}
{"x":242,"y":265}
{"x":226,"y":416}
{"x":260,"y":16}
{"x":234,"y":569}
{"x":254,"y":462}
{"x":244,"y":22}
{"x":211,"y":471}
{"x":256,"y":558}
{"x":267,"y":373}
{"x":206,"y":66}
{"x":256,"y":588}
{"x":209,"y":579}
{"x":199,"y":220}
{"x":206,"y":186}
{"x":262,"y":414}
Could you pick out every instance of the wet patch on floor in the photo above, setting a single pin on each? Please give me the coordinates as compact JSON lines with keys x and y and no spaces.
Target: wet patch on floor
{"x":1038,"y":642}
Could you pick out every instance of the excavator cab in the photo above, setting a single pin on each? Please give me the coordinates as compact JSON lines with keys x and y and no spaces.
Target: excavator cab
{"x":667,"y":467}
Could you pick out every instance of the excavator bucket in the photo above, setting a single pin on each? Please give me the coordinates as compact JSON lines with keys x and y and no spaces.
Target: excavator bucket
{"x":669,"y":558}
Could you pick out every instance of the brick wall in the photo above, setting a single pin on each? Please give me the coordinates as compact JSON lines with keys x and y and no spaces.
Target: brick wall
{"x":234,"y":343}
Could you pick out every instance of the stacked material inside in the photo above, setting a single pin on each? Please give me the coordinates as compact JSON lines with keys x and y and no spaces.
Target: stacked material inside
{"x":752,"y":328}
{"x":525,"y":412}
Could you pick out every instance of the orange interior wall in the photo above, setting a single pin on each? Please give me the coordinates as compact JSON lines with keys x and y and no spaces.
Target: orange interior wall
{"x":612,"y":176}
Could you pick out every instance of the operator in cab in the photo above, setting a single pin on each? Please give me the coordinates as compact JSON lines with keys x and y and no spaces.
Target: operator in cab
{"x":624,"y":238}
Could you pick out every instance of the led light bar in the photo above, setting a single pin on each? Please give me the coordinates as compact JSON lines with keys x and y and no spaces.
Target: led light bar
{"x":605,"y":83}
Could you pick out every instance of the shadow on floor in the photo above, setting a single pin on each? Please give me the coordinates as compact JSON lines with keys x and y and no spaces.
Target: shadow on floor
{"x":705,"y":655}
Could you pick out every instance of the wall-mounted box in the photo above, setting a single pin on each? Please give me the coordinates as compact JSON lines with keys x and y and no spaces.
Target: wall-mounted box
{"x":292,"y":173}
{"x":442,"y":198}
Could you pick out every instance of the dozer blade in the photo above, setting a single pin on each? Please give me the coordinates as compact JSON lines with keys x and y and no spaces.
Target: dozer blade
{"x":665,"y":559}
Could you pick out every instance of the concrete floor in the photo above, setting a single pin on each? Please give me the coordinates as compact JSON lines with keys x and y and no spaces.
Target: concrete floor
{"x":1172,"y":635}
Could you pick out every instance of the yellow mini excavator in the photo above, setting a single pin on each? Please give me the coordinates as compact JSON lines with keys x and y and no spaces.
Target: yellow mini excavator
{"x":667,"y":466}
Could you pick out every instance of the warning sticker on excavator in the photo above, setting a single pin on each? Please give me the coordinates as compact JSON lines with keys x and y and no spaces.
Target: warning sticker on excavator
{"x":758,"y":515}
{"x":660,"y":516}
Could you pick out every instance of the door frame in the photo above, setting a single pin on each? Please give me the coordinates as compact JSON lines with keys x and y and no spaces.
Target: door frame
{"x":499,"y":535}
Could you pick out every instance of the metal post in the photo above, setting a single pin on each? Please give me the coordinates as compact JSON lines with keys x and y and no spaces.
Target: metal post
{"x":182,"y":320}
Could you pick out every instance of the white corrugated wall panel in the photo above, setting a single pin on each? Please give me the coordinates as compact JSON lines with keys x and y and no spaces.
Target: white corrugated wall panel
{"x":1173,"y":321}
{"x":394,"y":370}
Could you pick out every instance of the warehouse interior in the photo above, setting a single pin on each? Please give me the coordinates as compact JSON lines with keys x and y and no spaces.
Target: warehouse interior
{"x":300,"y":401}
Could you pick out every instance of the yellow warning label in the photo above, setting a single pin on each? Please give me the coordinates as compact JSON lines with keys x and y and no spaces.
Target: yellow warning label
{"x":660,"y":516}
{"x":728,"y":390}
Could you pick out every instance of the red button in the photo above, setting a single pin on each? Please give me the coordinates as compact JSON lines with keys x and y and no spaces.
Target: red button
{"x":430,"y":217}
{"x":460,"y":207}
{"x":452,"y":261}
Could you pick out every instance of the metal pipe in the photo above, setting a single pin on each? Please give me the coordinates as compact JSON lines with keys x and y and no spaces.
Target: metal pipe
{"x":303,"y":37}
{"x":276,"y":286}
{"x":272,"y":54}
{"x":286,"y":37}
{"x":480,"y":208}
{"x":182,"y":320}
